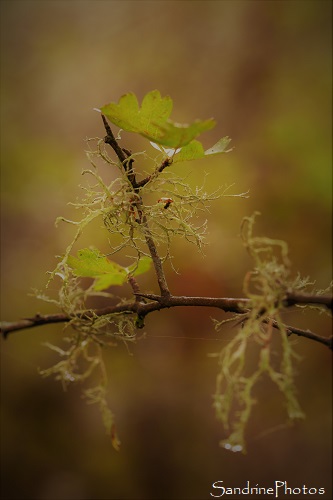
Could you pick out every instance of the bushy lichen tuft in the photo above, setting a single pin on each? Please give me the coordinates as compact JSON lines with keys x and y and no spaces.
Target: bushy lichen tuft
{"x":266,"y":288}
{"x":127,"y":220}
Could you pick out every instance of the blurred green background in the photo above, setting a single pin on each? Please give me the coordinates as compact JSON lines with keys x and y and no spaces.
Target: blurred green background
{"x":263,"y":70}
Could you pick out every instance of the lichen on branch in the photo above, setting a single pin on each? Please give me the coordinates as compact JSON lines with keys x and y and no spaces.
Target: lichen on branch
{"x":250,"y":355}
{"x":141,"y":211}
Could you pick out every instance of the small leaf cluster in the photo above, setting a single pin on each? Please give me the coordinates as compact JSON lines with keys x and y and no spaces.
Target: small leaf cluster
{"x":152,"y":121}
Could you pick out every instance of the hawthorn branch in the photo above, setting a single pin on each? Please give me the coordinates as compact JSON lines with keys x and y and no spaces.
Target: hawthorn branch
{"x":111,"y":140}
{"x":135,"y":287}
{"x":305,"y":333}
{"x":159,"y":302}
{"x":37,"y":320}
{"x":157,"y":262}
{"x":165,"y":300}
{"x":123,"y":154}
{"x":293,"y":298}
{"x":165,"y":163}
{"x":161,"y":279}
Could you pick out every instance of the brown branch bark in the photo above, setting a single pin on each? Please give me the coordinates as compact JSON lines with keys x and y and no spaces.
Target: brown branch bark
{"x":306,"y":334}
{"x":161,"y":279}
{"x":159,"y":302}
{"x":110,"y":139}
{"x":160,"y":169}
{"x":294,"y":298}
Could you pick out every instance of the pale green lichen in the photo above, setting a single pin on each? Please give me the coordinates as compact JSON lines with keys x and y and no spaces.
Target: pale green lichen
{"x":266,"y":288}
{"x":122,"y":210}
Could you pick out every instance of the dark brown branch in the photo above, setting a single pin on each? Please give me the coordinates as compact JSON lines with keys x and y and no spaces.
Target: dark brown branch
{"x":307,"y":334}
{"x":123,"y":154}
{"x":47,"y":319}
{"x":38,"y":320}
{"x":111,"y":140}
{"x":160,"y":169}
{"x":142,"y":309}
{"x":135,"y":287}
{"x":237,"y":306}
{"x":305,"y":298}
{"x":162,"y":283}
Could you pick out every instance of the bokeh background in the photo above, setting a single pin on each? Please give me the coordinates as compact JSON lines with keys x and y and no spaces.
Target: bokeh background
{"x":263,"y":70}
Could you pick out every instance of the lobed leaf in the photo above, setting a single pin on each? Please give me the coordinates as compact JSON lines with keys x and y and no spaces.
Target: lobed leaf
{"x":152,"y":119}
{"x":140,"y":267}
{"x":194,"y":150}
{"x":92,"y":264}
{"x":176,"y":135}
{"x":191,"y":151}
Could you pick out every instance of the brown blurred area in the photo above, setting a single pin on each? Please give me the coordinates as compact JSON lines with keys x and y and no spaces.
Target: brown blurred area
{"x":263,"y":70}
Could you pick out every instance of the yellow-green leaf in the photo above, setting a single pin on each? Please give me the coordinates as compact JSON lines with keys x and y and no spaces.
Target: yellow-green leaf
{"x":140,"y":267}
{"x":152,"y":119}
{"x":219,"y":147}
{"x":176,"y":135}
{"x":92,"y":264}
{"x":191,"y":151}
{"x":194,"y":150}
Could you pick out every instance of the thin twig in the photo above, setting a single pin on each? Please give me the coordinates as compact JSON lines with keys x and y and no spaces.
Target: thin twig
{"x":110,"y":139}
{"x":135,"y":287}
{"x":306,"y":333}
{"x":161,"y":279}
{"x":165,"y":163}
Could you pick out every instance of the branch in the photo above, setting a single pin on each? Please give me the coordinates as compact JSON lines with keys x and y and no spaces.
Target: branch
{"x":110,"y":139}
{"x":307,"y":334}
{"x":293,"y":298}
{"x":38,"y":320}
{"x":165,"y":300}
{"x":160,"y":169}
{"x":161,"y":279}
{"x":123,"y":154}
{"x":141,"y":308}
{"x":159,"y":302}
{"x":47,"y":319}
{"x":237,"y":306}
